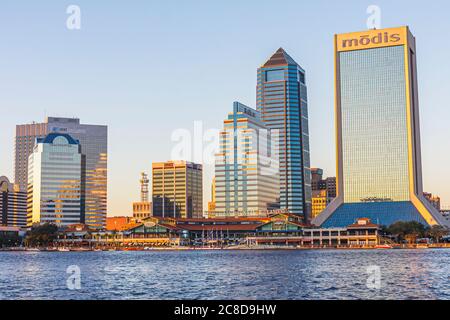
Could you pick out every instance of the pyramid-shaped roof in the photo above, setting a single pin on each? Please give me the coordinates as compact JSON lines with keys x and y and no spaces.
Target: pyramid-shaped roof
{"x":279,"y":58}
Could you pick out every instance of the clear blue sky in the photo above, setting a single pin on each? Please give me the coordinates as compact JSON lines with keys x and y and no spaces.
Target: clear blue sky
{"x":147,"y":68}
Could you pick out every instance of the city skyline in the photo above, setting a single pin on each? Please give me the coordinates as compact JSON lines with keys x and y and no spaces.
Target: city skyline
{"x":60,"y":95}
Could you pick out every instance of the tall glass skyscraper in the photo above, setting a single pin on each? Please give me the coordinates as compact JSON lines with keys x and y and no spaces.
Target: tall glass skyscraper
{"x":54,"y":181}
{"x":94,"y":145}
{"x":247,"y":168}
{"x":282,"y":102}
{"x":379,"y":173}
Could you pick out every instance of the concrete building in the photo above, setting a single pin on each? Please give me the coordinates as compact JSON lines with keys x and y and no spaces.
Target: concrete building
{"x":212,"y":203}
{"x":282,"y":230}
{"x":434,"y":200}
{"x":320,"y":200}
{"x":177,"y":189}
{"x":317,"y":179}
{"x":94,"y":145}
{"x":323,"y":191}
{"x":143,"y":209}
{"x":379,"y":172}
{"x":119,"y":223}
{"x":13,"y":204}
{"x":246,"y":168}
{"x":55,"y":181}
{"x":282,"y":102}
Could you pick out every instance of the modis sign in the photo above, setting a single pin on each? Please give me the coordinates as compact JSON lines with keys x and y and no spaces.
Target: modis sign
{"x":371,"y":39}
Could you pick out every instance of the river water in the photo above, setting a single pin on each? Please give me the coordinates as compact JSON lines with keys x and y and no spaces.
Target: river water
{"x":281,"y":274}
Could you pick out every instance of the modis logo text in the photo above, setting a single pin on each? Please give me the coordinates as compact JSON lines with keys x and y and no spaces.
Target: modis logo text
{"x":365,"y":40}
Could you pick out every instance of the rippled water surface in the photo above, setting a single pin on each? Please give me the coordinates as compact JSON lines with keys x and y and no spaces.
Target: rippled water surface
{"x":321,"y":274}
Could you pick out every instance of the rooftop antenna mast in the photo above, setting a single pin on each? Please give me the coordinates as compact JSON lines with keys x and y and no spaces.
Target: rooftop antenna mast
{"x":144,"y":187}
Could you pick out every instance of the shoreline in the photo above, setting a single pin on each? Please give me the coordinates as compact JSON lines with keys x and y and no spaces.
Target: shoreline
{"x":265,"y":248}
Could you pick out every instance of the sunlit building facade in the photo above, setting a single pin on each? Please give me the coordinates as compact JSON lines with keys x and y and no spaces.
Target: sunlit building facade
{"x":379,"y":173}
{"x":282,"y":102}
{"x":247,"y":168}
{"x":212,"y":203}
{"x":143,"y":209}
{"x":94,"y":145}
{"x":323,"y":191}
{"x":177,"y":189}
{"x":434,"y":200}
{"x":54,"y":181}
{"x":13,"y":204}
{"x":320,"y":200}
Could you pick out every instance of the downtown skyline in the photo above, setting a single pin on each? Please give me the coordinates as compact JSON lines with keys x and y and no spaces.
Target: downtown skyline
{"x":133,"y":120}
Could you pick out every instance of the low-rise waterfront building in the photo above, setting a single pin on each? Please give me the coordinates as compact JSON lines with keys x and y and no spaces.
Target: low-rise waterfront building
{"x":118,"y":223}
{"x":10,"y":232}
{"x":282,"y":229}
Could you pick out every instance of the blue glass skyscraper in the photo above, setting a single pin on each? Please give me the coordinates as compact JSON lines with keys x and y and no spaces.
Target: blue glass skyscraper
{"x":282,"y":102}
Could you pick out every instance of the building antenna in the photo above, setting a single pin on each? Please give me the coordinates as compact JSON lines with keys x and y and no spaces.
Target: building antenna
{"x":144,"y":187}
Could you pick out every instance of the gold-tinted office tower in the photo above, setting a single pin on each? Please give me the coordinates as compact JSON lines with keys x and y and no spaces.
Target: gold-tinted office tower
{"x":177,"y":189}
{"x":379,"y":170}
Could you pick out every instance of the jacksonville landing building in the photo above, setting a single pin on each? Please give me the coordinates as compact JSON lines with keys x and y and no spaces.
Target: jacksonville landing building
{"x":379,"y":171}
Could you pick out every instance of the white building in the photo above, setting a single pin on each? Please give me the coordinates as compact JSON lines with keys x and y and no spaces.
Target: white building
{"x":247,"y":167}
{"x":55,"y":181}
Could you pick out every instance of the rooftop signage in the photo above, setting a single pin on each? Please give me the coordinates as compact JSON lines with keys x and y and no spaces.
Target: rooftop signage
{"x":371,"y":39}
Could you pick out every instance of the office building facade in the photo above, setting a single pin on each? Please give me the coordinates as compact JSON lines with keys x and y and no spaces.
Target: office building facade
{"x":177,"y":189}
{"x":379,"y":173}
{"x":246,"y":168}
{"x":55,"y":181}
{"x":282,"y":102}
{"x":320,"y":200}
{"x":13,"y":204}
{"x":323,"y":191}
{"x":94,"y":145}
{"x":212,"y":203}
{"x":434,"y":200}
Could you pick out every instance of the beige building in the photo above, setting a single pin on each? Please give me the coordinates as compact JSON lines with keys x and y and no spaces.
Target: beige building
{"x":177,"y":189}
{"x":212,"y":203}
{"x":320,"y":200}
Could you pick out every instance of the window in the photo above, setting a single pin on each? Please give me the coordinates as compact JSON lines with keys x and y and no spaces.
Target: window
{"x":275,"y":75}
{"x":301,"y":77}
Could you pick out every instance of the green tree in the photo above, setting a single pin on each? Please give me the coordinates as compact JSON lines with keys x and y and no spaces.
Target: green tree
{"x":7,"y":240}
{"x":410,"y":230}
{"x":41,"y":235}
{"x":437,"y":232}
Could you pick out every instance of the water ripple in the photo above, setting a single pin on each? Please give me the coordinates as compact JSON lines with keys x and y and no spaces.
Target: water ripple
{"x":339,"y":274}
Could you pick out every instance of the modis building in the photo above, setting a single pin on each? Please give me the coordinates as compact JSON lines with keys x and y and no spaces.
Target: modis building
{"x":379,"y":171}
